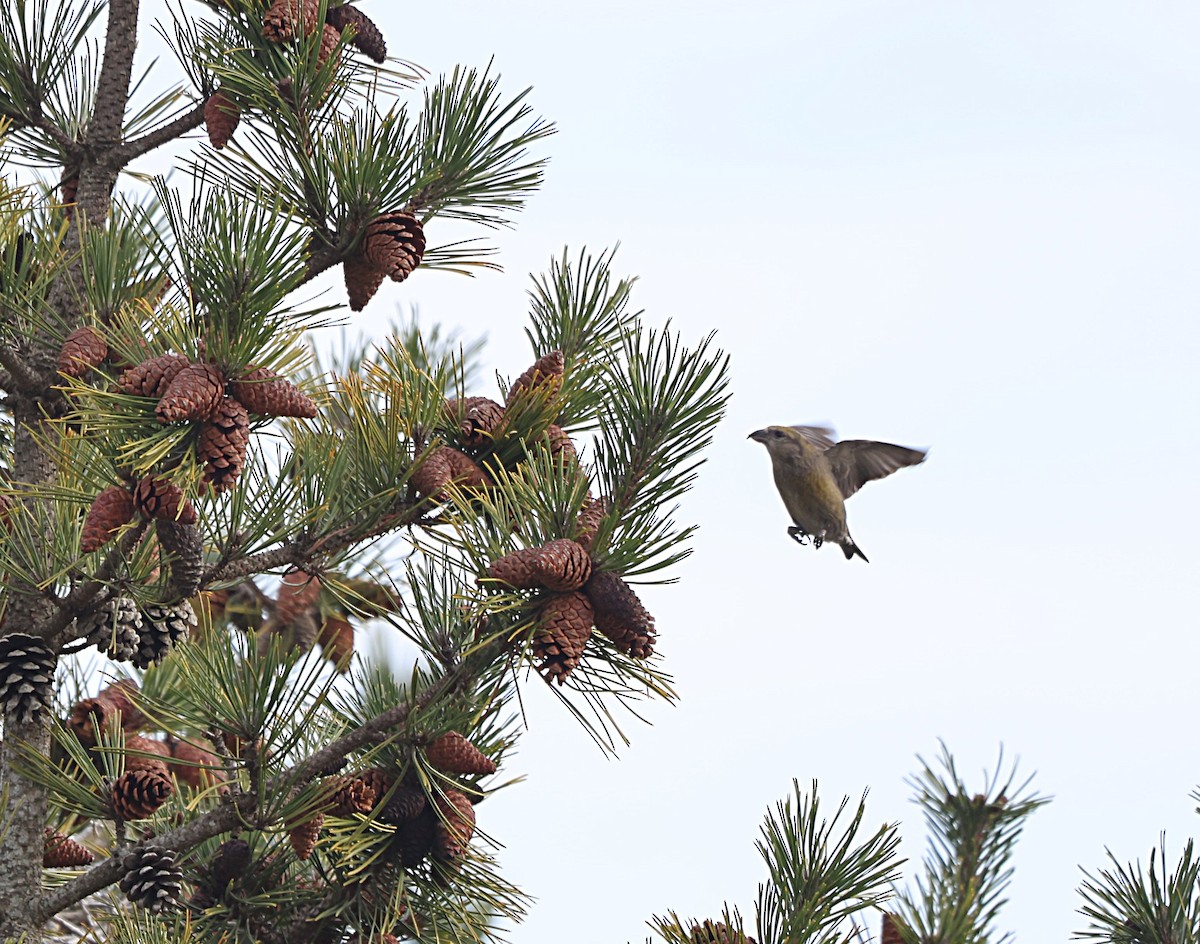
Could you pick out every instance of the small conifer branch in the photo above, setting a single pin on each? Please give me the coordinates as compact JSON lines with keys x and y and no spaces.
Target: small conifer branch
{"x":19,"y":374}
{"x":188,"y":121}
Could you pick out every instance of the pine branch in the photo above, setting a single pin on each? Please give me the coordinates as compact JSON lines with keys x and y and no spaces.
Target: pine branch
{"x":188,"y":121}
{"x":26,"y":381}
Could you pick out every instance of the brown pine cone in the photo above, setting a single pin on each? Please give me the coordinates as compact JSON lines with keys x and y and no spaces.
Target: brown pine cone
{"x":620,"y":615}
{"x":136,"y":794}
{"x":560,"y":445}
{"x":194,"y":394}
{"x":464,"y":471}
{"x":562,"y":565}
{"x":477,"y":417}
{"x":406,"y":803}
{"x":109,"y":511}
{"x":336,"y":639}
{"x":221,"y":444}
{"x":363,"y":279}
{"x":365,"y":36}
{"x":456,"y":824}
{"x":232,"y":859}
{"x":304,"y":836}
{"x":518,"y":569}
{"x":350,"y":795}
{"x":92,"y":715}
{"x":587,"y":525}
{"x":221,"y":117}
{"x":152,"y":377}
{"x":197,"y":767}
{"x":545,"y":375}
{"x":379,"y":780}
{"x":287,"y":19}
{"x":63,"y":852}
{"x":145,"y":754}
{"x":564,"y":626}
{"x":431,"y":475}
{"x":297,"y":592}
{"x":264,"y":393}
{"x":890,"y":933}
{"x":395,"y":243}
{"x":157,"y":497}
{"x":82,"y":350}
{"x":331,"y":38}
{"x":454,"y":754}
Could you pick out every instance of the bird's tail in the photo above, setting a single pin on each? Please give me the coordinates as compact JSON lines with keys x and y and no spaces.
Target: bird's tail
{"x":850,"y":549}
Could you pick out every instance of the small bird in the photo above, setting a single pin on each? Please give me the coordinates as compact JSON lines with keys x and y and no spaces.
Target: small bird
{"x":815,"y":476}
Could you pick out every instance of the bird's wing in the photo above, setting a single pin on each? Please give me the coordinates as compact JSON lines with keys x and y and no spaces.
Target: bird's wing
{"x":819,"y":436}
{"x":857,"y":461}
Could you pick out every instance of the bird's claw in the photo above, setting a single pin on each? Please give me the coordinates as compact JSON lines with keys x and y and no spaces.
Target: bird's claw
{"x":818,"y":540}
{"x":798,"y":535}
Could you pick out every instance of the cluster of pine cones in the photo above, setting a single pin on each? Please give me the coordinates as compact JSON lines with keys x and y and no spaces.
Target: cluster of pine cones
{"x":392,"y":244}
{"x":285,"y":21}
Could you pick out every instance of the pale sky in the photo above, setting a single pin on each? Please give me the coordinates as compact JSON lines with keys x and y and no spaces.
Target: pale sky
{"x":959,"y":225}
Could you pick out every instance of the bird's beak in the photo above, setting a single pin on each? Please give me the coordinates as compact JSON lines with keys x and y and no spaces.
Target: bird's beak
{"x":759,"y":435}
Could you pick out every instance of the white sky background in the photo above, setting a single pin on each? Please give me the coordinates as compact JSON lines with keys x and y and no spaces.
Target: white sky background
{"x":958,"y":225}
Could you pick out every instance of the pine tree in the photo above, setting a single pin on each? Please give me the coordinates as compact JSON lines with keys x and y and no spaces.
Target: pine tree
{"x":197,"y":504}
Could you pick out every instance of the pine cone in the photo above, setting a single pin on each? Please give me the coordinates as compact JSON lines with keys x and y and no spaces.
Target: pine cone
{"x":197,"y":767}
{"x":152,"y":879}
{"x":165,"y":625}
{"x":564,"y":626}
{"x":194,"y":394}
{"x":115,"y":627}
{"x":63,"y":852}
{"x":456,"y":824}
{"x":297,"y":592}
{"x":330,"y":40}
{"x":136,"y":794}
{"x":406,"y":803}
{"x":545,"y":377}
{"x":558,"y":565}
{"x":620,"y":615}
{"x":156,"y":497}
{"x":142,"y":753}
{"x":350,"y":795}
{"x":112,"y":706}
{"x":231,"y":861}
{"x":304,"y":836}
{"x":587,"y":525}
{"x":82,"y":350}
{"x":26,"y":676}
{"x":365,"y":36}
{"x":337,"y":641}
{"x":395,"y":243}
{"x":416,"y":838}
{"x":221,"y":444}
{"x":185,"y":551}
{"x":379,"y":780}
{"x":477,"y":417}
{"x":264,"y":393}
{"x":431,"y":475}
{"x":560,"y":445}
{"x":110,"y":509}
{"x":362,"y":280}
{"x":454,"y":754}
{"x":287,"y":19}
{"x":464,"y":471}
{"x":221,"y":117}
{"x":890,"y":932}
{"x":152,"y":377}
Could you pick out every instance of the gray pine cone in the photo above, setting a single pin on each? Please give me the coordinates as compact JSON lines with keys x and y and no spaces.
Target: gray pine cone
{"x":115,"y":627}
{"x":166,"y":624}
{"x":26,"y":676}
{"x":152,"y":879}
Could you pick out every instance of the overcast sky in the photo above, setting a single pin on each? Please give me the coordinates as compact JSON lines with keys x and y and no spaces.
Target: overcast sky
{"x":959,"y":225}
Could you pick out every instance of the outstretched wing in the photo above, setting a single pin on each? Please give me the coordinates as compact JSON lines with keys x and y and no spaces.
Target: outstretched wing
{"x":819,"y":436}
{"x":857,"y":461}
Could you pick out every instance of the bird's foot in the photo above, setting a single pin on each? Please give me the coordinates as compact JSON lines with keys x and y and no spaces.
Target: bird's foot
{"x":798,"y":535}
{"x":818,"y":539}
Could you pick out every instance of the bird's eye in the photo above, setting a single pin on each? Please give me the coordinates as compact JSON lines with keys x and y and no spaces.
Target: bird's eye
{"x":778,"y":434}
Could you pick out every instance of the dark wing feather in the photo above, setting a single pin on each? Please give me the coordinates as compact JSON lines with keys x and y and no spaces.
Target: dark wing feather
{"x":858,"y":461}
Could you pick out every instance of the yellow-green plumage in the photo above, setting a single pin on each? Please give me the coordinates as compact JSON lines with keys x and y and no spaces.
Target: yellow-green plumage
{"x":815,"y":476}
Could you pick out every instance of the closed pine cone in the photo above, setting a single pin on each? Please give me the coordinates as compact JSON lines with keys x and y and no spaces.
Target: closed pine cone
{"x":454,"y":754}
{"x":221,"y":444}
{"x":336,"y":639}
{"x":82,"y":350}
{"x":94,"y":714}
{"x":544,"y":375}
{"x":366,"y":36}
{"x":221,"y":117}
{"x":63,"y":852}
{"x":194,"y":394}
{"x":264,"y":393}
{"x":145,"y":754}
{"x":156,"y":497}
{"x":564,"y":626}
{"x":110,"y":510}
{"x":587,"y":525}
{"x":456,"y":824}
{"x":151,"y":377}
{"x":363,"y":279}
{"x":198,"y":767}
{"x":620,"y":615}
